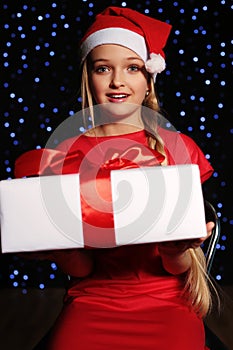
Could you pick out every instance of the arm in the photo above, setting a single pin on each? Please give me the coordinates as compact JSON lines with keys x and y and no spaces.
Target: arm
{"x":74,"y":262}
{"x":176,"y":257}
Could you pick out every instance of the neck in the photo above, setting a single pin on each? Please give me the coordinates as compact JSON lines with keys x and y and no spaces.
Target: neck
{"x":116,"y":119}
{"x":114,"y":129}
{"x":108,"y":122}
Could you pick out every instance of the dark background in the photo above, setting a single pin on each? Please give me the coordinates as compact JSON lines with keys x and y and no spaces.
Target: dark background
{"x":39,"y":83}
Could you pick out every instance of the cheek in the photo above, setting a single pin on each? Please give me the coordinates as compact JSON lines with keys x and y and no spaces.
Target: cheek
{"x":142,"y":91}
{"x":141,"y":84}
{"x":97,"y":88}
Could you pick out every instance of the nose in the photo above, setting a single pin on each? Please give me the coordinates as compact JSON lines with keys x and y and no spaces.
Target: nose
{"x":117,"y":79}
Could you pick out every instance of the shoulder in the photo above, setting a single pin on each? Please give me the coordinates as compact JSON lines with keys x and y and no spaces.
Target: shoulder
{"x":182,"y":149}
{"x":179,"y":145}
{"x":176,"y":138}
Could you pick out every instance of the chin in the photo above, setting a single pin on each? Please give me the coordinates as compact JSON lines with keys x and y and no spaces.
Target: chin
{"x":112,"y":111}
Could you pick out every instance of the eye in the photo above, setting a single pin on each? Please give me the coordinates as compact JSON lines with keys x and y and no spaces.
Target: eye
{"x":134,"y":68}
{"x":101,"y":69}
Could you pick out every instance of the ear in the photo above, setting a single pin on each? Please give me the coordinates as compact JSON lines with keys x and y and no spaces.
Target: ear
{"x":149,"y":82}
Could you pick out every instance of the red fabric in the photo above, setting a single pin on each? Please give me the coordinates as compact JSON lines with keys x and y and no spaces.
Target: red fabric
{"x":128,"y":302}
{"x":181,"y":149}
{"x":95,"y":186}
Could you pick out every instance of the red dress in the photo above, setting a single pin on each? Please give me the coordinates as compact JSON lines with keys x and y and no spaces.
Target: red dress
{"x":129,"y":302}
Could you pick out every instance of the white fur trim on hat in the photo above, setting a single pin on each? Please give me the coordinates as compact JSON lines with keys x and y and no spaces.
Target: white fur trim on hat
{"x":118,"y":36}
{"x":155,"y":64}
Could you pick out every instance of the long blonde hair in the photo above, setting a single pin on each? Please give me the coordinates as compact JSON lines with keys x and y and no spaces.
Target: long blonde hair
{"x":197,"y":283}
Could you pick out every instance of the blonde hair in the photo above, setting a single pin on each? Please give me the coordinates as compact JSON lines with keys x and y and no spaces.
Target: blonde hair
{"x":197,"y":283}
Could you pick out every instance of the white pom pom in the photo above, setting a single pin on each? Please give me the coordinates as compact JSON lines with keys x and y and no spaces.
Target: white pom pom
{"x":155,"y":64}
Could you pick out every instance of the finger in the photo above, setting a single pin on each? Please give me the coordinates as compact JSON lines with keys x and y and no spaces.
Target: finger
{"x":209,"y":226}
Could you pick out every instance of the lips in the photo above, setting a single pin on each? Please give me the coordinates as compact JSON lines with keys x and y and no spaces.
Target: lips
{"x":117,"y":97}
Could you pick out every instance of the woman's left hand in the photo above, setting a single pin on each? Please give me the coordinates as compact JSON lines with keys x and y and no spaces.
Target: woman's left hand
{"x":178,"y":247}
{"x":175,"y":255}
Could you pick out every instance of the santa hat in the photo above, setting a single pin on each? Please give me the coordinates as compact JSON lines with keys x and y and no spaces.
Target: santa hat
{"x":144,"y":35}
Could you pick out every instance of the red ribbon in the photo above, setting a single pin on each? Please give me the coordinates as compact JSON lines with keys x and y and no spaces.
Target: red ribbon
{"x":95,"y":186}
{"x":47,"y":162}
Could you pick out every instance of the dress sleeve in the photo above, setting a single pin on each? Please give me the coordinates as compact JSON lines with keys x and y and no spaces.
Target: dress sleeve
{"x":182,"y":149}
{"x":198,"y":157}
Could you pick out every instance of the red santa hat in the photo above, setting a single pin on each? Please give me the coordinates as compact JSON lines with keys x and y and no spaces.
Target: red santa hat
{"x":144,"y":35}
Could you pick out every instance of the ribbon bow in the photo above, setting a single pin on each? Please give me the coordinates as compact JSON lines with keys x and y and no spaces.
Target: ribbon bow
{"x":54,"y":162}
{"x":95,"y":184}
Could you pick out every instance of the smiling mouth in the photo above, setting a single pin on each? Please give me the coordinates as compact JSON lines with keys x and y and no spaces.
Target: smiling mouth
{"x":117,"y":97}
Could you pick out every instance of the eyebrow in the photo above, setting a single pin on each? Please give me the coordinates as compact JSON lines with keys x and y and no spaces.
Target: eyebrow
{"x":127,"y":59}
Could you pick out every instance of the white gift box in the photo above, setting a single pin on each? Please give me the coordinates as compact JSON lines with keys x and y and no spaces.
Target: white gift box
{"x":150,"y":204}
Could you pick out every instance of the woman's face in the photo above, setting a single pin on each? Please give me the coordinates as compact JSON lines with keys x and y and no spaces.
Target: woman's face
{"x":117,"y":76}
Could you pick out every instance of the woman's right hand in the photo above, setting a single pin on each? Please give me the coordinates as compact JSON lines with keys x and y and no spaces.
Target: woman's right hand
{"x":74,"y":262}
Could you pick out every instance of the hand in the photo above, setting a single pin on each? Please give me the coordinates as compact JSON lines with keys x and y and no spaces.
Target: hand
{"x":179,"y":247}
{"x":77,"y":262}
{"x":35,"y":255}
{"x":175,"y":255}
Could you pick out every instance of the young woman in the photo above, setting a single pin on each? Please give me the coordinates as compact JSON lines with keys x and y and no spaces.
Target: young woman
{"x":143,"y":296}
